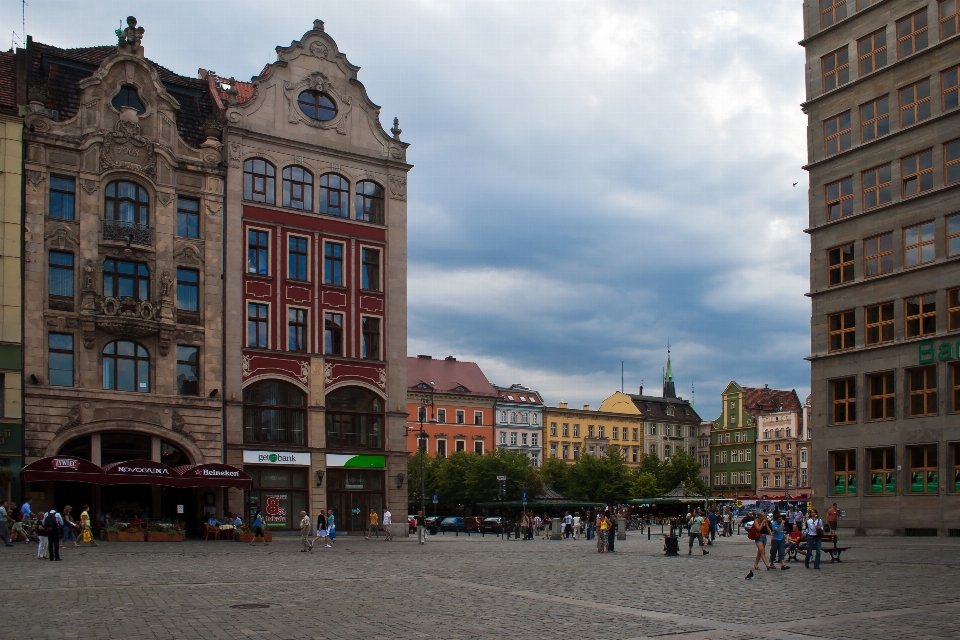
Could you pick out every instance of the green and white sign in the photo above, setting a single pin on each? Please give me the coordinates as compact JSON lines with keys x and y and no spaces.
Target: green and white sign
{"x":283,"y":458}
{"x":356,"y":462}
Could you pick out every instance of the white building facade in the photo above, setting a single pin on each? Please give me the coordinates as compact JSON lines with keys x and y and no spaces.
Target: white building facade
{"x":518,"y":420}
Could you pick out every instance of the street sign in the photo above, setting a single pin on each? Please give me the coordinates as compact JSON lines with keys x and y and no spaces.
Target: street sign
{"x":523,"y":497}
{"x":179,"y":508}
{"x":436,"y":498}
{"x":502,"y":478}
{"x":356,"y":510}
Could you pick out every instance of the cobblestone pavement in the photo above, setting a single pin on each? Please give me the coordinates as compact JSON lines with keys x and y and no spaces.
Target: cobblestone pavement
{"x":473,"y":587}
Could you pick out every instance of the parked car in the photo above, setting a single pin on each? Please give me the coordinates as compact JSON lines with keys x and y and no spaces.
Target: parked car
{"x":454,"y":524}
{"x":412,"y":523}
{"x":472,"y":523}
{"x":493,"y":524}
{"x":432,"y":523}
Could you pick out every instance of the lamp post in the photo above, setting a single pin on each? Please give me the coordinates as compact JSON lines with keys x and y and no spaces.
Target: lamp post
{"x":421,"y":446}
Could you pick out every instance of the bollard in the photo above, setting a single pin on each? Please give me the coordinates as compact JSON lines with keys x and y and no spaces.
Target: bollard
{"x":648,"y":533}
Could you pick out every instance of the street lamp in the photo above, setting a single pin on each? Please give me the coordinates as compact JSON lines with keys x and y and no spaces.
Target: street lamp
{"x":421,"y":445}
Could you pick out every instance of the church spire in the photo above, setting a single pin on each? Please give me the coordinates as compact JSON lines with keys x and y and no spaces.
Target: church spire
{"x":669,"y":391}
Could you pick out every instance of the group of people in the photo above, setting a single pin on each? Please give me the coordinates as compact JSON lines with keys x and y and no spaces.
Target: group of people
{"x":54,"y":529}
{"x":786,"y":534}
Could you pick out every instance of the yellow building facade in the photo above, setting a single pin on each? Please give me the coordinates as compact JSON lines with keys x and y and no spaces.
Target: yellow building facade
{"x":569,"y":433}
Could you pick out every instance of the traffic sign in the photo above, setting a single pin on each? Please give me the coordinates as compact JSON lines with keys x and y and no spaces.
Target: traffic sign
{"x":523,"y":497}
{"x":436,"y":498}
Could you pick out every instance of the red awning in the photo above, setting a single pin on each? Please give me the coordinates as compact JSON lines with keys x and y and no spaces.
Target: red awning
{"x":62,"y":468}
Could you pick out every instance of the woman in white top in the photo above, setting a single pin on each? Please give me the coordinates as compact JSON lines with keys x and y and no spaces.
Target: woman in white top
{"x":814,"y":531}
{"x":576,"y":525}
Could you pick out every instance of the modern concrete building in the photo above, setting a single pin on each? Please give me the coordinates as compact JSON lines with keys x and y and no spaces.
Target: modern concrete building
{"x":884,"y":164}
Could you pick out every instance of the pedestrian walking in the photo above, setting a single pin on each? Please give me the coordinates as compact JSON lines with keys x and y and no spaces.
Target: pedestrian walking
{"x":778,"y":541}
{"x":814,"y":538}
{"x":695,"y":524}
{"x":52,"y":527}
{"x":833,"y":514}
{"x":305,"y":533}
{"x":4,"y":517}
{"x":15,"y":516}
{"x":421,"y":528}
{"x":525,"y":525}
{"x":567,"y":525}
{"x":321,"y":533}
{"x":69,"y":528}
{"x":758,"y":533}
{"x":603,"y":526}
{"x":387,"y":524}
{"x":712,"y":525}
{"x":374,"y":525}
{"x":85,"y":533}
{"x":576,"y":524}
{"x":258,"y":529}
{"x":331,"y":527}
{"x":546,"y":526}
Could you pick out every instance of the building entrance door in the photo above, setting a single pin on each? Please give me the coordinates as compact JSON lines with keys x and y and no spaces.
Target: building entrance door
{"x":352,"y":493}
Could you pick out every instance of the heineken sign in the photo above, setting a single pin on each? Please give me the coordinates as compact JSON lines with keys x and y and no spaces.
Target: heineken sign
{"x":280,"y":458}
{"x":929,"y":352}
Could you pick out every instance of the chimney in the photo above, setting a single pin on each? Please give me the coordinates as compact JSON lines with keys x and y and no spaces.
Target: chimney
{"x":425,"y":357}
{"x":641,"y":390}
{"x":586,"y":407}
{"x":450,"y":359}
{"x":766,"y":386}
{"x":562,"y":405}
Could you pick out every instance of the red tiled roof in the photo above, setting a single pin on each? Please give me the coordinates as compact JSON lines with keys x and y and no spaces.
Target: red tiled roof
{"x":448,"y":376}
{"x":758,"y":402}
{"x":529,"y":396}
{"x":8,"y":82}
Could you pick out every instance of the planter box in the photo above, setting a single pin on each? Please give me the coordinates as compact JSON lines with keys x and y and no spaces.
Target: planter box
{"x":162,"y":536}
{"x":124,"y":536}
{"x":248,"y":537}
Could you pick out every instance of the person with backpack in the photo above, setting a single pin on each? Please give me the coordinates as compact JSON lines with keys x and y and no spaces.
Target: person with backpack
{"x":814,"y":538}
{"x":52,"y":526}
{"x":258,"y":529}
{"x":758,"y":533}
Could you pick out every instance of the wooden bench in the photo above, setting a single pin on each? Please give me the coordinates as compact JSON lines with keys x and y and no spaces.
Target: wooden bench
{"x":834,"y":551}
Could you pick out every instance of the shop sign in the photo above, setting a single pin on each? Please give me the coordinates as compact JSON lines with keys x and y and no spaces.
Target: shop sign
{"x":275,"y":511}
{"x":356,"y":462}
{"x":285,"y":458}
{"x":10,"y":438}
{"x":928,"y":352}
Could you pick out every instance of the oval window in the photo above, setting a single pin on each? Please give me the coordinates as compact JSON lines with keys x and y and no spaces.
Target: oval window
{"x":317,"y":105}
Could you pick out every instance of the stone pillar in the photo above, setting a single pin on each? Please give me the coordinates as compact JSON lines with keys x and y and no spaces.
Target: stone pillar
{"x":621,"y":528}
{"x":556,"y":528}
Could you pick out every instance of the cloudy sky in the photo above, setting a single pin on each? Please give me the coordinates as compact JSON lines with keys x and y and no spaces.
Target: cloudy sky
{"x":592,"y":178}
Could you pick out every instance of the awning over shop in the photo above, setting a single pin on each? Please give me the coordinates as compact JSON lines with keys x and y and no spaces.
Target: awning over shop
{"x":63,"y":468}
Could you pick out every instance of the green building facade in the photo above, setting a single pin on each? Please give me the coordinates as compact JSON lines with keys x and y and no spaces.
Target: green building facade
{"x":733,"y":447}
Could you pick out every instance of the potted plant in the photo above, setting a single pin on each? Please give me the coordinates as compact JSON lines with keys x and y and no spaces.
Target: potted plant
{"x":123,"y":532}
{"x":164,"y":533}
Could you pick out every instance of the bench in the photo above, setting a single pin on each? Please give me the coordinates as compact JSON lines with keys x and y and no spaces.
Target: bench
{"x":834,"y":551}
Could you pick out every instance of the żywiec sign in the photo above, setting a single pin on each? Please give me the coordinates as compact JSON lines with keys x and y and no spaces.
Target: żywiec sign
{"x":928,"y":352}
{"x":294,"y":458}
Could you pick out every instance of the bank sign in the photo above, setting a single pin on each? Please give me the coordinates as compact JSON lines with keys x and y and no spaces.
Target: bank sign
{"x":355,"y":462}
{"x":282,"y":458}
{"x":928,"y":352}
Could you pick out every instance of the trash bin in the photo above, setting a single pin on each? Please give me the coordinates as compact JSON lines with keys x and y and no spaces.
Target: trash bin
{"x":671,"y":545}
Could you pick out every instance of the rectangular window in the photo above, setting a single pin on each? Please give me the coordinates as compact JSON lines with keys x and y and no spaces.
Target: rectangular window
{"x":565,"y":430}
{"x":600,"y":431}
{"x":441,"y":448}
{"x":951,"y":162}
{"x":459,"y":445}
{"x":872,"y":51}
{"x":61,"y":274}
{"x":460,"y":417}
{"x":523,"y":439}
{"x":843,"y":330}
{"x":747,"y":478}
{"x":835,"y":68}
{"x":370,"y":276}
{"x":590,"y":431}
{"x":636,"y":435}
{"x":882,"y":396}
{"x":953,"y":309}
{"x":917,"y":173}
{"x":333,"y":334}
{"x":297,"y":258}
{"x":878,"y":254}
{"x":837,"y":133}
{"x":371,"y":338}
{"x":188,"y":217}
{"x":258,"y":249}
{"x":844,"y":392}
{"x":749,"y":453}
{"x":874,"y":119}
{"x":918,"y":244}
{"x":553,"y":449}
{"x":188,"y":290}
{"x":616,"y":433}
{"x":879,"y":327}
{"x":257,"y":335}
{"x":478,"y":447}
{"x":832,"y":11}
{"x":924,"y":470}
{"x":921,"y":315}
{"x":503,"y":437}
{"x":840,"y":261}
{"x":576,"y":431}
{"x":955,"y":464}
{"x":553,"y":429}
{"x":566,"y":447}
{"x":723,"y":457}
{"x":912,"y":33}
{"x":949,"y":17}
{"x":950,"y":85}
{"x":883,"y":471}
{"x":478,"y":417}
{"x":535,"y":441}
{"x":188,"y":380}
{"x":296,"y":329}
{"x":333,"y":263}
{"x":955,"y":387}
{"x":839,"y":198}
{"x":62,"y":196}
{"x":915,"y":103}
{"x":442,"y":416}
{"x":953,"y":235}
{"x":844,"y":472}
{"x":60,"y":359}
{"x":922,"y":383}
{"x":877,"y":187}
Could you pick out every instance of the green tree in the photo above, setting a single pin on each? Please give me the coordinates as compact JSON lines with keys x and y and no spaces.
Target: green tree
{"x":431,"y":472}
{"x":645,"y":485}
{"x":481,"y":479}
{"x":556,"y":473}
{"x":606,"y":479}
{"x":683,"y":470}
{"x":452,"y":479}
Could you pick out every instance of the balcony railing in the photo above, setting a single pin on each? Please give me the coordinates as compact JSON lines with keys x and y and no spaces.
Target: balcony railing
{"x":129,"y":232}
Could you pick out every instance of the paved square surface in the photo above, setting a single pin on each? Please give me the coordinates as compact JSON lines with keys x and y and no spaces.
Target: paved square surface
{"x":472,"y":587}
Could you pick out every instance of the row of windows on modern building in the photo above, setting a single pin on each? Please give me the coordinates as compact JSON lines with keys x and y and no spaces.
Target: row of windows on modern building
{"x":571,"y":451}
{"x":920,"y":319}
{"x":916,"y":177}
{"x":919,"y":475}
{"x":919,"y":390}
{"x":912,"y":35}
{"x":299,"y":263}
{"x":297,"y":186}
{"x":615,"y":432}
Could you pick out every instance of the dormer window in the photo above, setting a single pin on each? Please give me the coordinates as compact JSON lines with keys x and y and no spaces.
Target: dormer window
{"x":127,"y":97}
{"x":317,"y":105}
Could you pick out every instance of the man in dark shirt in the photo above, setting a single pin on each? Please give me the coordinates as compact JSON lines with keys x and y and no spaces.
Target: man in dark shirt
{"x":712,"y":517}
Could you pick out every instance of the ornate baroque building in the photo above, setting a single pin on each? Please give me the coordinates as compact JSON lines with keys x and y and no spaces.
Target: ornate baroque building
{"x":519,"y":416}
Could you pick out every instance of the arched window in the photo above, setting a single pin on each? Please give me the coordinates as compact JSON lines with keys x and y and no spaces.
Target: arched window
{"x":258,"y":181}
{"x":127,"y":204}
{"x":317,"y":105}
{"x":172,"y":455}
{"x":298,"y":188}
{"x":76,"y":448}
{"x":334,"y":195}
{"x":273,"y":411}
{"x":369,"y":202}
{"x":354,"y":418}
{"x":127,"y":97}
{"x":126,"y":367}
{"x":125,"y":279}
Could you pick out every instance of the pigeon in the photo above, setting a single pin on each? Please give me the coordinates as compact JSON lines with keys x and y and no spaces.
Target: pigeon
{"x":795,"y":183}
{"x":749,"y":575}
